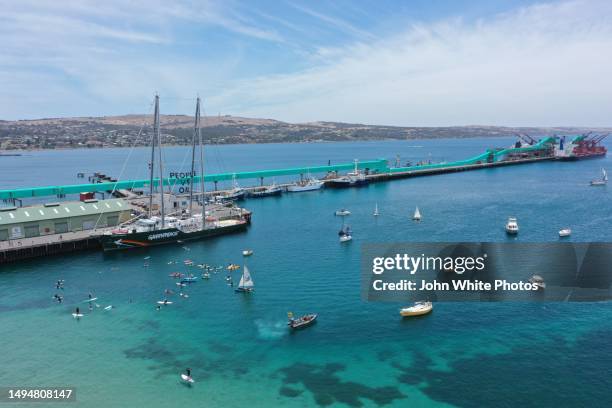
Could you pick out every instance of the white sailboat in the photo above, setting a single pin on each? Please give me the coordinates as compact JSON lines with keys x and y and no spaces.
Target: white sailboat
{"x":376,"y":213}
{"x":246,"y":282}
{"x":417,"y":215}
{"x":603,"y":181}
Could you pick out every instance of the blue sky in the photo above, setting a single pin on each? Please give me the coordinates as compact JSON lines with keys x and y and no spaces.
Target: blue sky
{"x":421,"y":63}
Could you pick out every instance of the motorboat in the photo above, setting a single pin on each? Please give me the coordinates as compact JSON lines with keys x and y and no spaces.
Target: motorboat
{"x":565,"y":232}
{"x":356,"y":178}
{"x":601,"y":182}
{"x":417,"y":309}
{"x":512,"y":227}
{"x":342,"y":212}
{"x":271,"y":190}
{"x":345,"y":234}
{"x":538,"y":281}
{"x":247,"y":252}
{"x":301,"y":322}
{"x":309,"y":184}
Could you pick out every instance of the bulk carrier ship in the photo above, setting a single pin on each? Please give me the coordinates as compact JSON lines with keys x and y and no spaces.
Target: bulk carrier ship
{"x":586,"y":146}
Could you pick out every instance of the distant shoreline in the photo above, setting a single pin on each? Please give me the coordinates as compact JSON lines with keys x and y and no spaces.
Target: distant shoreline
{"x":15,"y":152}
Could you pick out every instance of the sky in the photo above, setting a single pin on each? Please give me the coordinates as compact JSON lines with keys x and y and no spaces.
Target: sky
{"x":405,"y":63}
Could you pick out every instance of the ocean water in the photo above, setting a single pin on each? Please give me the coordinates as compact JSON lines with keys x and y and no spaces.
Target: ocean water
{"x":358,"y":353}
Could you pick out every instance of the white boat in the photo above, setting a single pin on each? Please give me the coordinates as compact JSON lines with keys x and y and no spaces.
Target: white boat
{"x":247,"y":252}
{"x":512,"y":226}
{"x":418,"y":309}
{"x":309,"y":184}
{"x":538,"y":281}
{"x":565,"y":232}
{"x":376,"y":213}
{"x":346,"y":238}
{"x":603,"y":181}
{"x":417,"y":215}
{"x":246,"y":282}
{"x":345,"y":234}
{"x":342,"y":212}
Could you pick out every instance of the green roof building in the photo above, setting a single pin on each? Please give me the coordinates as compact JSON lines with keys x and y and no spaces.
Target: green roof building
{"x":58,"y":218}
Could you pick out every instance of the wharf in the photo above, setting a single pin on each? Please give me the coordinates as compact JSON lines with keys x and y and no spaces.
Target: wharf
{"x":68,"y":242}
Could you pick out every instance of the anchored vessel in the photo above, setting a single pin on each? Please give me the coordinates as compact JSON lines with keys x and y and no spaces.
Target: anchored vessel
{"x":355,"y":178}
{"x":157,"y":230}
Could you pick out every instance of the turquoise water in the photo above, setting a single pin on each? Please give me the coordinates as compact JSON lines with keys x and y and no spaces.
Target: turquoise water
{"x":358,"y":353}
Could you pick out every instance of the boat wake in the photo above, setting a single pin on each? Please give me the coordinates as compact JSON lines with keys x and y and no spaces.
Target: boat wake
{"x":267,"y":330}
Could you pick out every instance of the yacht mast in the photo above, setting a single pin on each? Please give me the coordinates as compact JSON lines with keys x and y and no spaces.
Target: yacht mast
{"x":151,"y":164}
{"x":193,"y":149}
{"x":161,"y":166}
{"x":202,"y":186}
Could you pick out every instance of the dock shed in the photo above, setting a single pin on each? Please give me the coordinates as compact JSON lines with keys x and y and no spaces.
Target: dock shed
{"x":62,"y":217}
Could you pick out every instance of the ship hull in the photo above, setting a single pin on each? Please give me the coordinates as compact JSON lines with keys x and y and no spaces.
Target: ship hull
{"x":345,"y":184}
{"x":161,"y":237}
{"x":584,"y":156}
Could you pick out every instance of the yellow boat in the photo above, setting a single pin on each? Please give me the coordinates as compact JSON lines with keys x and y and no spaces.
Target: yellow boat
{"x":418,"y":309}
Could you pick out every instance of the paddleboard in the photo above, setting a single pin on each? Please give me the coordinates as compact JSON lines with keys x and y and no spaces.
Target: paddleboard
{"x":90,"y":300}
{"x":186,"y":378}
{"x":76,"y":316}
{"x":161,"y":302}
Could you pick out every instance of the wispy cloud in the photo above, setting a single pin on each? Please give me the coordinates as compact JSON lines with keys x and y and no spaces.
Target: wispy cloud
{"x":546,"y":64}
{"x":335,"y":22}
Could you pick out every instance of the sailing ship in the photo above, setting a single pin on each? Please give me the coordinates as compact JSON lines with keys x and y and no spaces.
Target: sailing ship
{"x":246,"y":282}
{"x":417,"y":215}
{"x":162,"y":229}
{"x":603,"y":181}
{"x":376,"y":213}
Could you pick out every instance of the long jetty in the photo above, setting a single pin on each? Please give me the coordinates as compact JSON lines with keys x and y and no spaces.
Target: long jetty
{"x":376,"y":170}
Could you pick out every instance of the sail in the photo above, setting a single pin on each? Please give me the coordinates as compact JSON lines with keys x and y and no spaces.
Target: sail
{"x":245,"y":279}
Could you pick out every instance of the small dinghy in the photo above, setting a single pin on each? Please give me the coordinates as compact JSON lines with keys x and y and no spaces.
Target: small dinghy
{"x":418,"y":309}
{"x":301,"y":322}
{"x":565,"y":232}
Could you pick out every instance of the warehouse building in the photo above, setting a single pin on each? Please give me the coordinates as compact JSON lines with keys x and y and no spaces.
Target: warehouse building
{"x":58,"y":218}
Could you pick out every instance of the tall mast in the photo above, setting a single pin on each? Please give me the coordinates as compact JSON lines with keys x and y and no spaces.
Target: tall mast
{"x":202,"y":186}
{"x":161,"y":166}
{"x":151,"y":164}
{"x":196,"y":130}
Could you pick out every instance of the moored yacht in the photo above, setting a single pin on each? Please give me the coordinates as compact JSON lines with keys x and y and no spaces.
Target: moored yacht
{"x":162,"y":229}
{"x":308,"y":184}
{"x":356,"y":178}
